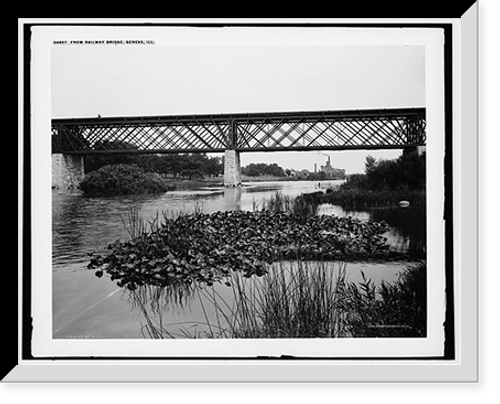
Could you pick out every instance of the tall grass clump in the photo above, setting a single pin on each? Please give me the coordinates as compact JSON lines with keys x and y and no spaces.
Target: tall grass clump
{"x":297,"y":300}
{"x":293,"y":300}
{"x":302,"y":206}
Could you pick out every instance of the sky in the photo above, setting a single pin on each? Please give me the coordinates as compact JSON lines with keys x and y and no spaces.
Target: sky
{"x":170,"y":80}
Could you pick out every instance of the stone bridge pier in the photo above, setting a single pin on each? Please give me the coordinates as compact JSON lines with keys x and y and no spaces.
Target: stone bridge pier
{"x":67,"y":171}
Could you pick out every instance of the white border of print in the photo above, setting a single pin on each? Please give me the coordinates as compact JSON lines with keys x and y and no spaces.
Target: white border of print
{"x":44,"y":345}
{"x":41,"y":165}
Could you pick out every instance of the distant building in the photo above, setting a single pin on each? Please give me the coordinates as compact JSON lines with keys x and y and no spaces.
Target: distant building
{"x":332,"y":172}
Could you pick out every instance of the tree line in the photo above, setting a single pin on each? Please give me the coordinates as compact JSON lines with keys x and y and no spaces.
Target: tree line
{"x":259,"y":169}
{"x":407,"y":172}
{"x":190,"y":166}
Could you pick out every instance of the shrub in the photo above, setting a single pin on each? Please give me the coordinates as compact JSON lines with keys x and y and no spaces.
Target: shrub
{"x":406,"y":173}
{"x":121,"y":179}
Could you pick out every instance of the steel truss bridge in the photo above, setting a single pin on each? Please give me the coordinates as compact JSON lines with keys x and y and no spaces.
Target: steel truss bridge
{"x":277,"y":131}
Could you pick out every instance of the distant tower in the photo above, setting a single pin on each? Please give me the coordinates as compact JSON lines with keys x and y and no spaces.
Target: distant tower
{"x":315,"y":167}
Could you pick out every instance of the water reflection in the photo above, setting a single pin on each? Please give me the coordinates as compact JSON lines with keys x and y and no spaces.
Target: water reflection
{"x":153,"y":302}
{"x":410,"y":224}
{"x":232,"y":198}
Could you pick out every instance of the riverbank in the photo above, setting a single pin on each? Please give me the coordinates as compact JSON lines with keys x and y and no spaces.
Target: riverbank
{"x":180,"y":184}
{"x":219,"y":181}
{"x":265,"y":178}
{"x":356,"y":199}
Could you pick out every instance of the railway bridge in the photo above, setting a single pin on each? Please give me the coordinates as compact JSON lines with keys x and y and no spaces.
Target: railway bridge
{"x":231,"y":134}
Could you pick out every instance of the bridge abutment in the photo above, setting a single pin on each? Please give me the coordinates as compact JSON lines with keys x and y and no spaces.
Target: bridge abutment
{"x":232,"y":168}
{"x":67,"y":171}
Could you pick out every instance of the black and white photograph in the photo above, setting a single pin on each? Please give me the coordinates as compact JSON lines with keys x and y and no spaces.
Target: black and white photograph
{"x":238,"y":191}
{"x":292,"y":215}
{"x":243,"y":191}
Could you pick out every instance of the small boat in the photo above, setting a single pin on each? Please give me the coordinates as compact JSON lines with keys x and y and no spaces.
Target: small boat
{"x":404,"y":204}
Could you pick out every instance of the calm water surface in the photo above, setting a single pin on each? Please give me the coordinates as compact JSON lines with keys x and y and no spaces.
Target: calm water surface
{"x":88,"y":307}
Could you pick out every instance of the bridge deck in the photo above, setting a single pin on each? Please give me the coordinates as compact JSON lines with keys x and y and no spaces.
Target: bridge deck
{"x":274,"y":131}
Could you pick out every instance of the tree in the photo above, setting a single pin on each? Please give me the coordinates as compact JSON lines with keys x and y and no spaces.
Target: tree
{"x":258,"y":169}
{"x":213,"y":166}
{"x":370,"y":164}
{"x":407,"y":172}
{"x":177,"y":165}
{"x":274,"y":170}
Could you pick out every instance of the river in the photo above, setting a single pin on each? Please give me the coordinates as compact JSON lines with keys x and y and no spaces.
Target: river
{"x":85,"y":306}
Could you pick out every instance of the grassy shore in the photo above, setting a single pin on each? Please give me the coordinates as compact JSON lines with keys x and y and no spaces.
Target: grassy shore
{"x":356,"y":199}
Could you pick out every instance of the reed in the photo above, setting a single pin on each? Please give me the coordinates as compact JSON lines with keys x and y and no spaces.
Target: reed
{"x":293,"y":300}
{"x":301,"y":206}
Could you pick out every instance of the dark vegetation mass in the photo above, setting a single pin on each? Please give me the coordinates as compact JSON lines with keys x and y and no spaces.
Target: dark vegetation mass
{"x":385,"y":183}
{"x":121,"y":179}
{"x":181,"y":166}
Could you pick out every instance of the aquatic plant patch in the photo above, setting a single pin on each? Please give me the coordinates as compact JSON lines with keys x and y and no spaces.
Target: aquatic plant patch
{"x":208,"y":247}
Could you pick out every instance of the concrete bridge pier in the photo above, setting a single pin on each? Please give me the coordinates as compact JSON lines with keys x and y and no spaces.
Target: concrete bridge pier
{"x":232,"y":168}
{"x":67,"y":171}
